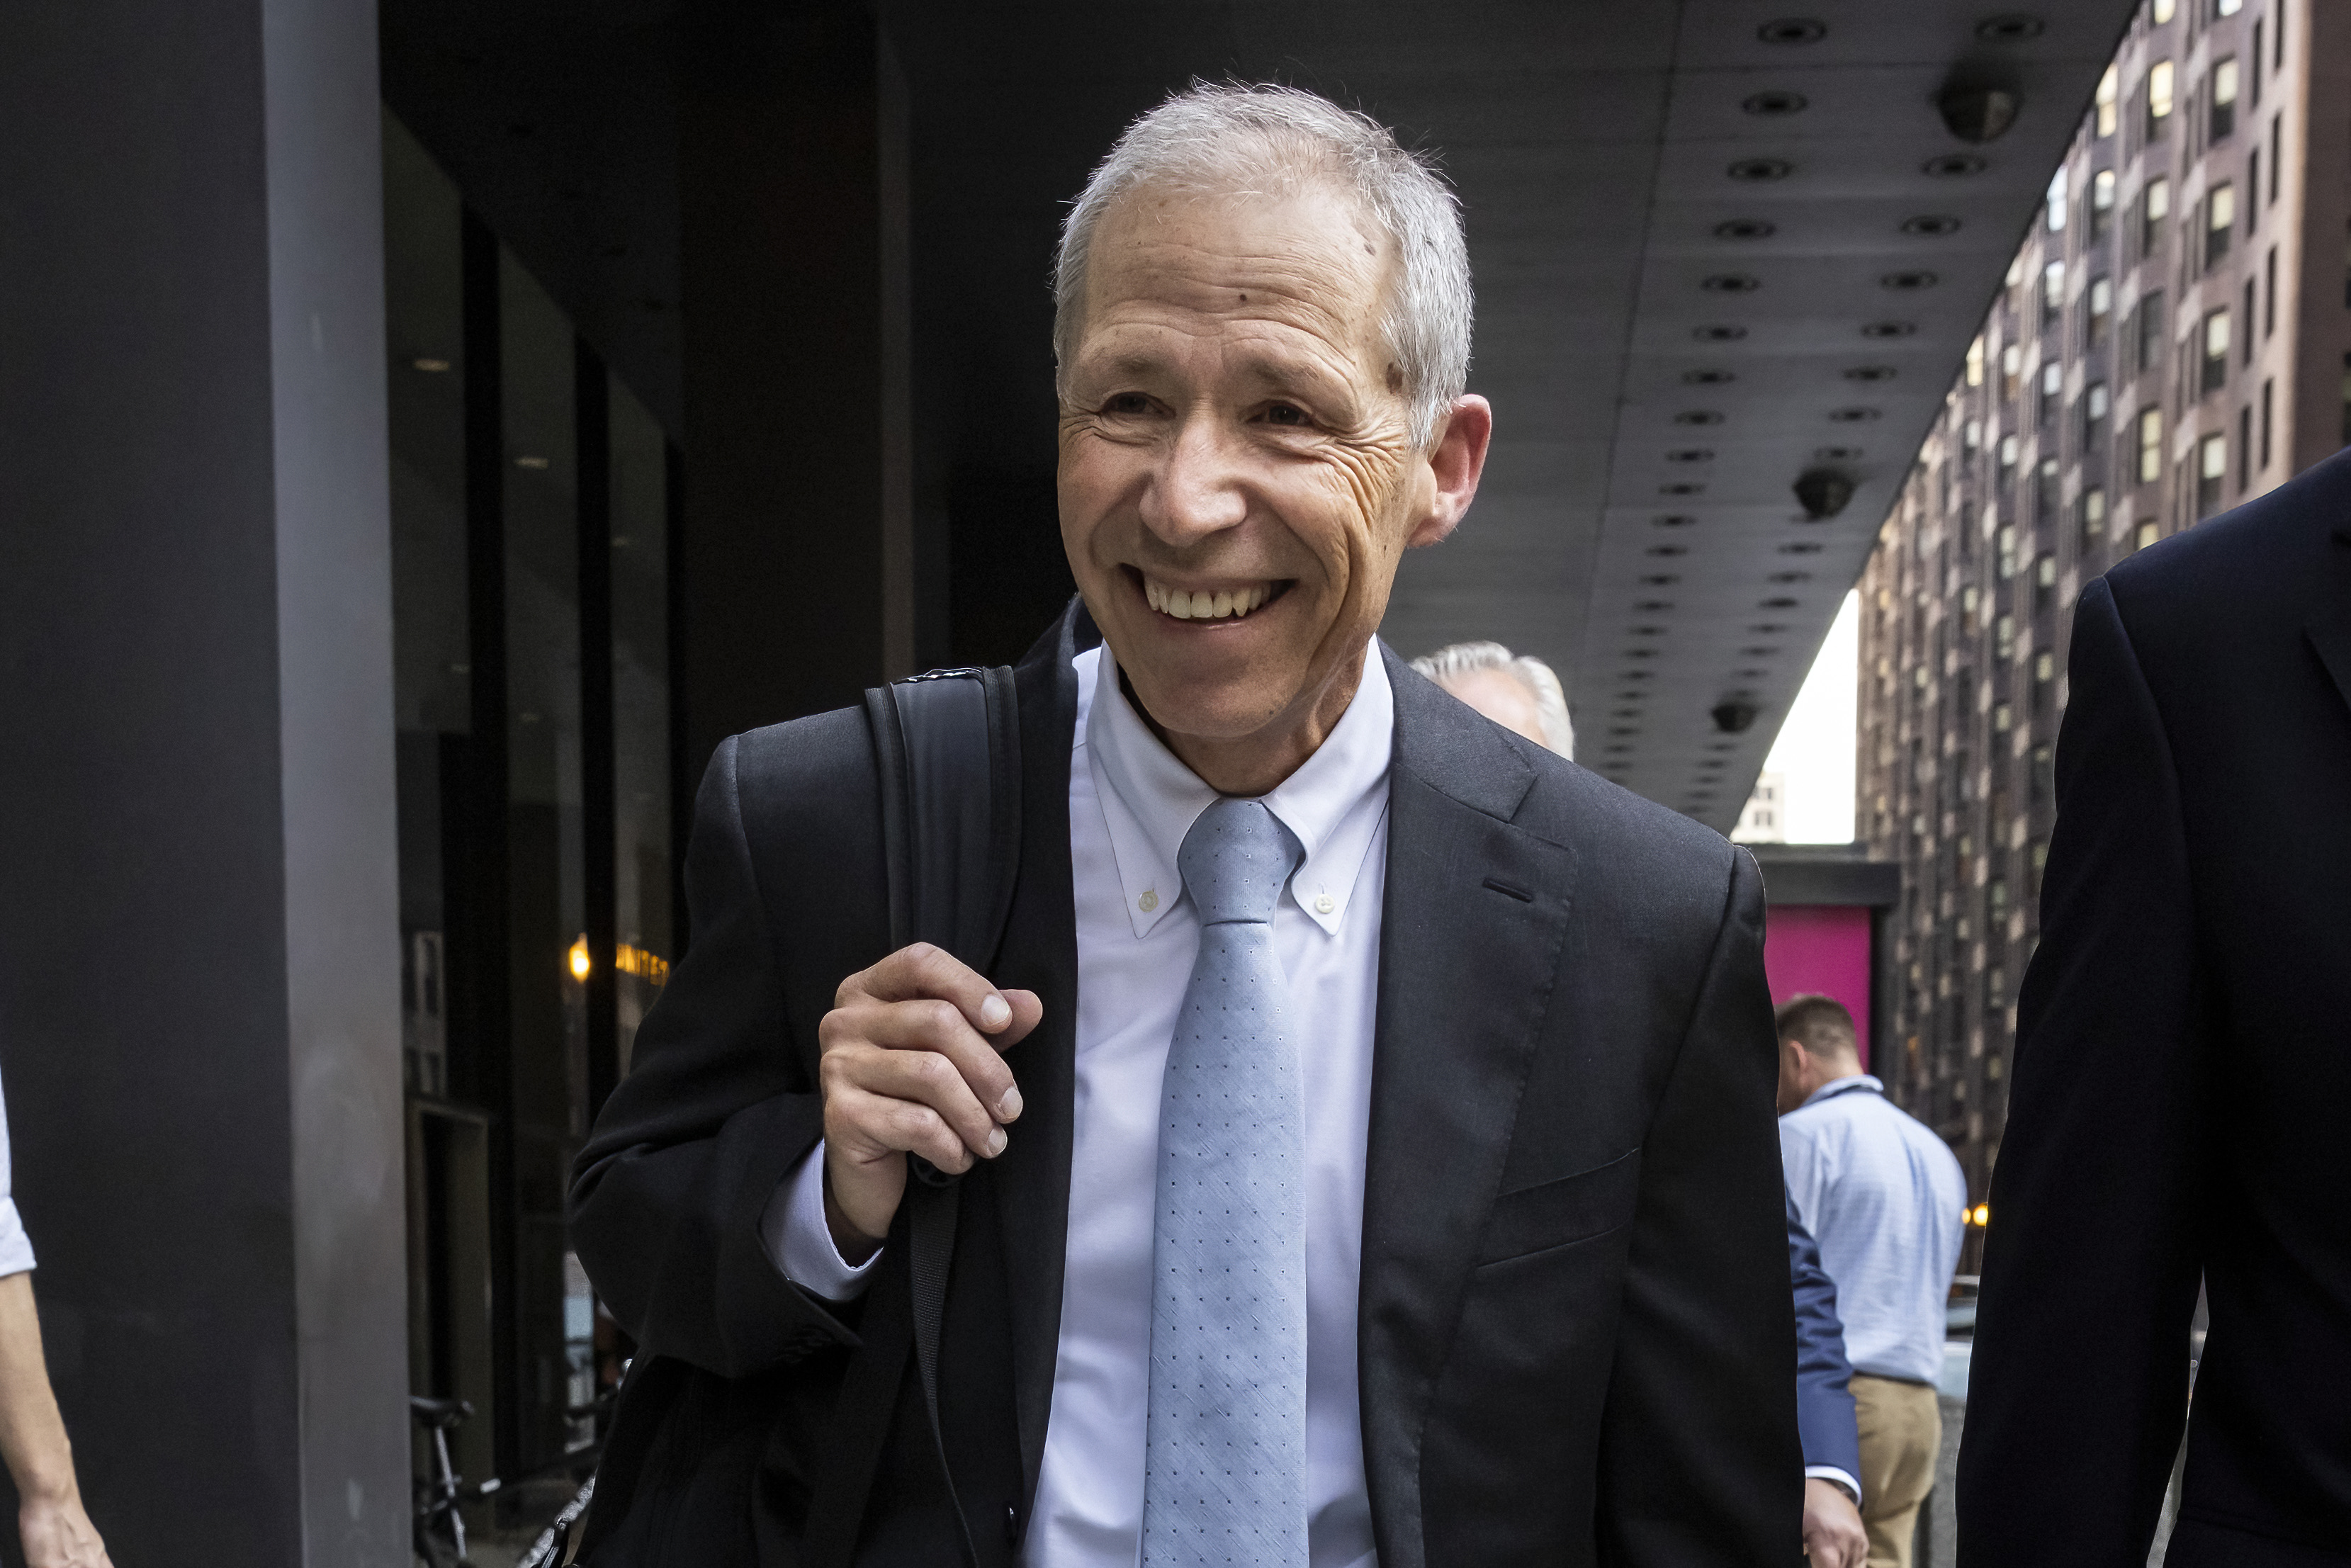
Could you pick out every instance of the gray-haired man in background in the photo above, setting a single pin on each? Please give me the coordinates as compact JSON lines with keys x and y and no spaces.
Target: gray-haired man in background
{"x":1519,"y":692}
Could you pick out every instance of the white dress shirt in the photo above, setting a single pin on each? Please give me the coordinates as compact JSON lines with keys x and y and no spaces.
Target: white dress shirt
{"x":1131,"y":803}
{"x":16,"y":1248}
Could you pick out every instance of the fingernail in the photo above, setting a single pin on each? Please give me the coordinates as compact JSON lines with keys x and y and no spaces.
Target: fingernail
{"x":996,"y":1143}
{"x":1009,"y":1108}
{"x":994,"y":1012}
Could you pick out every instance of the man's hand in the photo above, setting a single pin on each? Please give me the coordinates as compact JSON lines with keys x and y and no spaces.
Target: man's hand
{"x":57,"y":1533}
{"x":1833,"y":1537}
{"x":911,"y":1064}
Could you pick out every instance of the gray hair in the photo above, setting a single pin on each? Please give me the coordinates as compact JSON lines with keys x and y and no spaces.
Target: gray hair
{"x":1450,"y":664}
{"x":1237,"y":138}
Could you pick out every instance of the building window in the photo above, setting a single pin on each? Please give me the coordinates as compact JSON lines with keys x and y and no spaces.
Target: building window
{"x":2060,"y":192}
{"x":2211,"y":468}
{"x":2269,"y":296}
{"x":2045,"y":585}
{"x":2227,"y":8}
{"x":2219,"y":223}
{"x":2011,"y":369}
{"x":2154,"y":207}
{"x":2244,"y":448}
{"x":2150,"y":329}
{"x":2274,"y":131}
{"x":2094,"y":518}
{"x":2053,"y":293}
{"x":2109,"y":93}
{"x":1975,"y":354}
{"x":2044,"y":491}
{"x":2045,"y":665}
{"x":2007,"y":543}
{"x":2150,"y":445}
{"x":2102,"y":203}
{"x":2216,"y":350}
{"x":2100,"y":315}
{"x":2222,"y":114}
{"x":2159,"y":99}
{"x":2053,"y":390}
{"x":2007,"y":459}
{"x":2145,"y":537}
{"x":2001,"y":718}
{"x":2093,"y":415}
{"x":2248,"y":351}
{"x":2161,"y":11}
{"x":2267,"y":385}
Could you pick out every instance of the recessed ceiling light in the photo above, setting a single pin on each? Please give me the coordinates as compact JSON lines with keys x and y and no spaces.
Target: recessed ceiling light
{"x":1837,"y":453}
{"x":1722,"y":334}
{"x":1790,"y":576}
{"x":1793,"y":30}
{"x":1681,"y":487}
{"x":1767,"y":629}
{"x":1758,"y":653}
{"x":1690,"y":454}
{"x":1870,"y":373}
{"x":1851,"y":415}
{"x":1790,"y":549}
{"x":1660,"y":580}
{"x":1697,"y":416}
{"x":1709,"y":378}
{"x":1746,"y":228}
{"x":1953,"y":165}
{"x":1659,"y":606}
{"x":1774,"y":103}
{"x":530,"y":462}
{"x":1760,"y":170}
{"x":2014,"y":27}
{"x":1782,"y":602}
{"x":1890,"y":329}
{"x":1731,"y":283}
{"x":1908,"y":281}
{"x":1671,"y":520}
{"x":431,"y":367}
{"x":1933,"y":225}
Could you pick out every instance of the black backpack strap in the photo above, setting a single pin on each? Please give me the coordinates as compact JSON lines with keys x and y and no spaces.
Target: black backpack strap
{"x":947,"y":748}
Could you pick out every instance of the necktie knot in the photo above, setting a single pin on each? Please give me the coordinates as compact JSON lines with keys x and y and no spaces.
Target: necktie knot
{"x":1235,"y":859}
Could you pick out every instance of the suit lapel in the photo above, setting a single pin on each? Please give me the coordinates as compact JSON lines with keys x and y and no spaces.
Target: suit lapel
{"x":2330,"y":629}
{"x":1471,"y":929}
{"x":1031,"y":1180}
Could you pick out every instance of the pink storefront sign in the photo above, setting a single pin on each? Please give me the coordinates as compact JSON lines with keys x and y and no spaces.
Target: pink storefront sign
{"x":1821,"y":949}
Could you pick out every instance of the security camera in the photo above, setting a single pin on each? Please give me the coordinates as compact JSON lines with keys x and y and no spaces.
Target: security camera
{"x":1734,"y":718}
{"x":1977,"y":114}
{"x":1822,"y":493}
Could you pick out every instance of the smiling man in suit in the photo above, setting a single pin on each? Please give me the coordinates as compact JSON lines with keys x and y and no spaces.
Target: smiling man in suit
{"x":1367,"y":1128}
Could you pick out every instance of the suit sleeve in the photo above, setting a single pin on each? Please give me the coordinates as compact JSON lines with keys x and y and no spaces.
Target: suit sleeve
{"x":1825,"y":1419}
{"x":1699,"y":1461}
{"x":2079,"y":1387}
{"x":668,"y":1195}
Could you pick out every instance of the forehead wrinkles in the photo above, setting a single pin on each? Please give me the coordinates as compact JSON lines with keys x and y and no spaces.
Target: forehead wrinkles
{"x":1306,"y":260}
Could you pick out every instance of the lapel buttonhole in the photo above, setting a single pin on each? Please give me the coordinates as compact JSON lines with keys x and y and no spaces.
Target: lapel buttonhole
{"x":1521,"y":894}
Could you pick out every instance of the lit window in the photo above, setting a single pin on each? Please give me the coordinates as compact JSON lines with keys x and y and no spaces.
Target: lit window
{"x":2007,"y":456}
{"x":2220,"y":219}
{"x":2224,"y":113}
{"x":1975,"y":362}
{"x":2211,"y":468}
{"x":2007,"y":541}
{"x":2012,"y":366}
{"x":2227,"y":8}
{"x":2145,"y":537}
{"x":2044,"y":575}
{"x":2216,"y":350}
{"x":2101,"y":200}
{"x":2093,"y":516}
{"x":2159,"y":98}
{"x":2094,"y":413}
{"x":2161,"y":11}
{"x":2151,"y":446}
{"x":2101,"y":314}
{"x":2052,"y":292}
{"x":2057,"y":199}
{"x":2109,"y":93}
{"x":2154,"y":207}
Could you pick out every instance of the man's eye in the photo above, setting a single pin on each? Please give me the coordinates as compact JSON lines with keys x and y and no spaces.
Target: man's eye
{"x":1127,"y":403}
{"x":1286,"y":413}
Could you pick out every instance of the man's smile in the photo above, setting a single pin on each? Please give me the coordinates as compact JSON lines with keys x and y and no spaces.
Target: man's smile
{"x":1230,"y":600}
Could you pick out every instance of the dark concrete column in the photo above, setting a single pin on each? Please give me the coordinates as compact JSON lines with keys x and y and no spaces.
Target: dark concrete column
{"x":798,"y":548}
{"x":199,"y":1017}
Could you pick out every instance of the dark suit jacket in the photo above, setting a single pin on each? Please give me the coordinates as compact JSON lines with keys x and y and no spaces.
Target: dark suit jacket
{"x":2181,"y":1103}
{"x":1825,"y":1419}
{"x":1575,"y":1323}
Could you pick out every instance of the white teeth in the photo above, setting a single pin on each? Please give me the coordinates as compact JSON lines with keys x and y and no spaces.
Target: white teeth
{"x":1206,"y":605}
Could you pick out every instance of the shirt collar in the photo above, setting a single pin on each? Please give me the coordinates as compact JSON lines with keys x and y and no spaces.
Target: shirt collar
{"x":1848,"y":1084}
{"x":1333,"y":803}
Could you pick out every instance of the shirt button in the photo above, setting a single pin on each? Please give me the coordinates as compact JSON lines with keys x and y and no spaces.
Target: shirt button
{"x":1325,"y":905}
{"x":1148,"y":902}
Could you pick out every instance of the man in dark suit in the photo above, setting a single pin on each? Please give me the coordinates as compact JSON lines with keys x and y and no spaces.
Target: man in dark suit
{"x":2182,"y":1083}
{"x":1359,"y":1088}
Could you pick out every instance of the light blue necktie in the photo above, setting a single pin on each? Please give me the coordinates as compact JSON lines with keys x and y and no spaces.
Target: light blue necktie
{"x":1224,"y":1469}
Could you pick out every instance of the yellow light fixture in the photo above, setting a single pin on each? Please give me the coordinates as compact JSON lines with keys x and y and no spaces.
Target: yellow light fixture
{"x":580,"y":961}
{"x":1979,"y":1216}
{"x":431,"y":367}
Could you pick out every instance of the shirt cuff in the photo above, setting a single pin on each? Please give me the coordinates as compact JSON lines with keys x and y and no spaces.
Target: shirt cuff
{"x":800,"y":1243}
{"x":1812,"y":1473}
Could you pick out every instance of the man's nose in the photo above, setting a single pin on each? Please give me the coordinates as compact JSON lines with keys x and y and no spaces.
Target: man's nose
{"x":1196,"y":490}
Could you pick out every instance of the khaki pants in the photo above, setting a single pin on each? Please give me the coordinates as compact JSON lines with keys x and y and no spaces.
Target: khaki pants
{"x":1901,"y":1435}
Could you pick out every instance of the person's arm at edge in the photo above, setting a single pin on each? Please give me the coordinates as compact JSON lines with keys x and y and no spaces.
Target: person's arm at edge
{"x":53,"y":1525}
{"x":1699,"y":1461}
{"x":2078,"y":1385}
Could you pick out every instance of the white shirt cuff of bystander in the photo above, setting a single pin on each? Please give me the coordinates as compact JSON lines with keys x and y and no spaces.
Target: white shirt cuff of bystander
{"x":800,"y":1243}
{"x":1812,"y":1473}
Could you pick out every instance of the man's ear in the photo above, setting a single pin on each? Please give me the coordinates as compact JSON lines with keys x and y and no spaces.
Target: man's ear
{"x":1455,"y":462}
